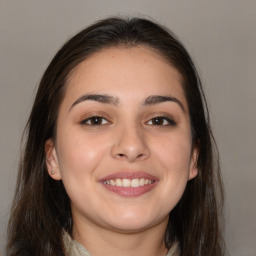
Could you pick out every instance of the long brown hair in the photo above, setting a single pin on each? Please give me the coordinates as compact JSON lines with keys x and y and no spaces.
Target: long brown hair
{"x":41,"y":207}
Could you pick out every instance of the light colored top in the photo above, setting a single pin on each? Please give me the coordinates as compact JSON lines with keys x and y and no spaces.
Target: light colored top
{"x":73,"y":248}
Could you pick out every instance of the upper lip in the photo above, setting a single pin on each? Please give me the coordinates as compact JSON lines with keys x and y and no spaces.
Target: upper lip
{"x":129,"y":175}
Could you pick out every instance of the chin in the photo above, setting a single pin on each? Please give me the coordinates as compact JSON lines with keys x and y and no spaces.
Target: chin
{"x":130,"y":227}
{"x":135,"y":223}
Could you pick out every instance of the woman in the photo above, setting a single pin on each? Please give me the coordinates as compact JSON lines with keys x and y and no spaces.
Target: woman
{"x":119,"y":154}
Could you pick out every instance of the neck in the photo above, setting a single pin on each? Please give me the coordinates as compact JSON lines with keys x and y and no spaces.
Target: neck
{"x":101,"y":241}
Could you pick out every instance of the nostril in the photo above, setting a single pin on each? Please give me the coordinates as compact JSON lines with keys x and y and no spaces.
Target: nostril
{"x":125,"y":156}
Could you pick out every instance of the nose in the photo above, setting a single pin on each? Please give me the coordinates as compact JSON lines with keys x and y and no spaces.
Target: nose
{"x":130,"y":144}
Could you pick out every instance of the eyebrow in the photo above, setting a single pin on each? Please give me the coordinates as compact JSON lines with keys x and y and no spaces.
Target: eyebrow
{"x":102,"y":98}
{"x":109,"y":99}
{"x":156,"y":99}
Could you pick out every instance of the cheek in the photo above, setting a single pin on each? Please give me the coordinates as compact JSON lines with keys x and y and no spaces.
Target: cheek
{"x":175,"y":151}
{"x":79,"y":155}
{"x":174,"y":157}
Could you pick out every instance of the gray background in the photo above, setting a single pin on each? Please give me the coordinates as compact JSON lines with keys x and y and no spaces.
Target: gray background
{"x":220,"y":35}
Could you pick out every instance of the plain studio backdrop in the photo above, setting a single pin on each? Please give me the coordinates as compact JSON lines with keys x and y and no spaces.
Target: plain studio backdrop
{"x":221,"y":38}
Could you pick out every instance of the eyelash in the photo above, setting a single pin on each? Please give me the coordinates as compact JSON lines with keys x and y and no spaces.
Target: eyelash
{"x":94,"y":118}
{"x":155,"y":121}
{"x":164,"y":121}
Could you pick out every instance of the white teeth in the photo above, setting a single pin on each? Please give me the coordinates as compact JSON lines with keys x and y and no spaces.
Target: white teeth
{"x":134,"y":183}
{"x":119,"y":183}
{"x":126,"y":183}
{"x":142,"y":182}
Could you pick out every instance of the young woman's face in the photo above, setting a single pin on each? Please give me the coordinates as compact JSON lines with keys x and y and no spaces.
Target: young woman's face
{"x":124,"y":146}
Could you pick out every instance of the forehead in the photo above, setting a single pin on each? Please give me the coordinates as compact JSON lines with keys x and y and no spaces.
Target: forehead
{"x":125,"y":71}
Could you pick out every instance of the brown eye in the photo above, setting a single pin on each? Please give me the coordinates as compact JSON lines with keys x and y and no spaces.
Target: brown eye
{"x":94,"y":120}
{"x":161,"y":121}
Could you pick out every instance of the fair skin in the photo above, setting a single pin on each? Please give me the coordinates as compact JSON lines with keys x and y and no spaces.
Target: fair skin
{"x":123,"y":150}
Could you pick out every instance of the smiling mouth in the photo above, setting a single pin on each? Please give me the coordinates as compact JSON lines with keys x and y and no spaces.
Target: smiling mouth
{"x":128,"y":183}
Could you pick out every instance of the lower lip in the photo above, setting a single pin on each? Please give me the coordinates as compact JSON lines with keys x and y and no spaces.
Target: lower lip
{"x":130,"y":191}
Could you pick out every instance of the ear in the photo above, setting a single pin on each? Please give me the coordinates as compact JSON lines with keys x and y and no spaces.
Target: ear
{"x":52,"y":163}
{"x":193,"y":163}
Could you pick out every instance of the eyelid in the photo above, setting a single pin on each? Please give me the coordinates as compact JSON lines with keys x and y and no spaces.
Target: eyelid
{"x":90,"y":116}
{"x":84,"y":122}
{"x":169,"y":118}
